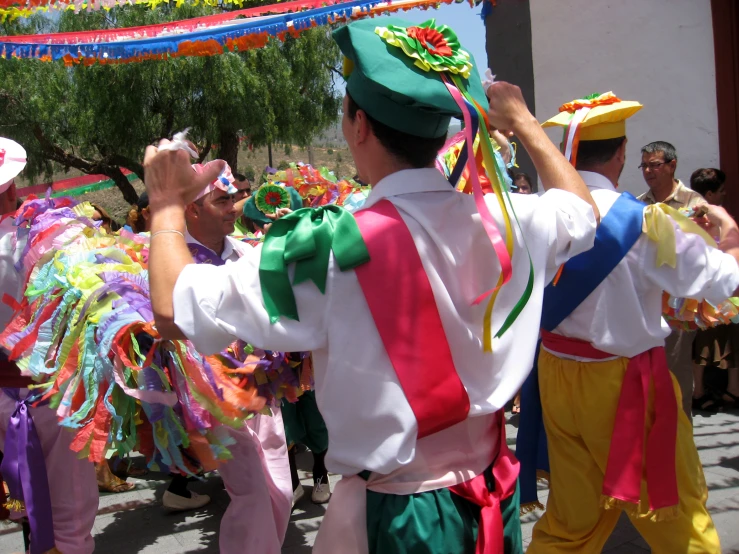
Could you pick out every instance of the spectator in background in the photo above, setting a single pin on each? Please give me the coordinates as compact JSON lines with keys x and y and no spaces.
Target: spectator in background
{"x":109,"y":224}
{"x":522,"y":182}
{"x":709,"y":183}
{"x":658,"y":166}
{"x":243,"y":186}
{"x":718,"y":346}
{"x":137,"y":220}
{"x":243,"y":226}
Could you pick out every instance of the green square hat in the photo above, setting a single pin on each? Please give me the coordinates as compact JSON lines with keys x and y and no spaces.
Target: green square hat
{"x":393,"y":70}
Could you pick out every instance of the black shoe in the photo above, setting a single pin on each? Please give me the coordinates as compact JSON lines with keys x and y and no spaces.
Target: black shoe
{"x":705,"y":403}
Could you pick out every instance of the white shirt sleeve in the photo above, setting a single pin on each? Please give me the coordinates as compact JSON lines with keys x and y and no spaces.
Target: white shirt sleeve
{"x":701,"y":272}
{"x":11,"y":281}
{"x":562,"y":219}
{"x":215,"y":304}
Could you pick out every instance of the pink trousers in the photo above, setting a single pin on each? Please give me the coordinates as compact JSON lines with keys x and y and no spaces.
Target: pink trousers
{"x":258,"y":481}
{"x":72,"y":482}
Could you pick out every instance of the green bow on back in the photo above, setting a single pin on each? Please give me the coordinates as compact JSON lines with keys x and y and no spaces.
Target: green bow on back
{"x":306,"y":237}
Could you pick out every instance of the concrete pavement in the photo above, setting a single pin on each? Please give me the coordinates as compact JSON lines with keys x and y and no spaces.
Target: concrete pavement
{"x":135,"y":522}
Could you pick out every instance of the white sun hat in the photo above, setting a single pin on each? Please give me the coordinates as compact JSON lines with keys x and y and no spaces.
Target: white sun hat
{"x":12,"y":162}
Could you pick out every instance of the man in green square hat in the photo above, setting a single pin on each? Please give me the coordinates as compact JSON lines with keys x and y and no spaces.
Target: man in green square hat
{"x":413,"y":345}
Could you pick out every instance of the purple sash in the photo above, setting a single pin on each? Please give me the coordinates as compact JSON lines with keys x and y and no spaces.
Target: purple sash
{"x":24,"y":470}
{"x":203,"y":255}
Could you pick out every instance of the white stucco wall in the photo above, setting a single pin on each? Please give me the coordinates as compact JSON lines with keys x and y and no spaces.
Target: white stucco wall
{"x":659,"y":52}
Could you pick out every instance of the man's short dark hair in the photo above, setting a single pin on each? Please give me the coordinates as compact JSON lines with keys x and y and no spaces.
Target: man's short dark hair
{"x":418,"y":152}
{"x":707,"y":179}
{"x":239,"y":176}
{"x":597,"y":152}
{"x":661,"y":146}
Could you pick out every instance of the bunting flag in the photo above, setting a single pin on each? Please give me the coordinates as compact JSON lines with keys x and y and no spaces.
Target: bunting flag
{"x":11,"y":9}
{"x":171,"y":27}
{"x":204,"y":36}
{"x":75,"y":186}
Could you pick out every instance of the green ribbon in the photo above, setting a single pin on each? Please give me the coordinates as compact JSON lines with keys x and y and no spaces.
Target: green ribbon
{"x":306,"y":238}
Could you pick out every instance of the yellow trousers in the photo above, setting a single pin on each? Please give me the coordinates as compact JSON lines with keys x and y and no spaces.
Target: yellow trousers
{"x":579,"y":403}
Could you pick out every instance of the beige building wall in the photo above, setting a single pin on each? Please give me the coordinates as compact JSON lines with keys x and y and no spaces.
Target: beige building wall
{"x":659,"y":52}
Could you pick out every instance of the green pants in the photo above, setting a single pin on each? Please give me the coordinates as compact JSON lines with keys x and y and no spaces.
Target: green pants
{"x":304,"y":423}
{"x":434,"y":522}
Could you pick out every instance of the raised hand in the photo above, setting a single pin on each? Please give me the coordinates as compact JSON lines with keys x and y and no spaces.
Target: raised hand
{"x":169,"y":176}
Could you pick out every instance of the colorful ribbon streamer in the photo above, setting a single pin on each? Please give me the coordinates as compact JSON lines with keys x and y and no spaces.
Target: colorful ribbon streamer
{"x":11,"y":9}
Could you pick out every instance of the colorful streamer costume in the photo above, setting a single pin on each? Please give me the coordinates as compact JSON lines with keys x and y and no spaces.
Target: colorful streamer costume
{"x":412,"y":344}
{"x":61,"y":512}
{"x":617,"y":439}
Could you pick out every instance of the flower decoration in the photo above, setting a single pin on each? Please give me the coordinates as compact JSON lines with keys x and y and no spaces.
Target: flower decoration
{"x":590,"y":101}
{"x":434,"y":47}
{"x":270,"y":198}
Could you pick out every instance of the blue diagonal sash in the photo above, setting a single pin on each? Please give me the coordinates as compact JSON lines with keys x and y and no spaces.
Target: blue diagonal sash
{"x":617,"y":233}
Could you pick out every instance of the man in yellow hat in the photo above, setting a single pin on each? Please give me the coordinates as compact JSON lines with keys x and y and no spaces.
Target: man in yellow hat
{"x":617,"y":437}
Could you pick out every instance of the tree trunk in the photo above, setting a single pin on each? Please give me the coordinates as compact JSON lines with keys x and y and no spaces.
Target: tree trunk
{"x":229,"y":149}
{"x":124,"y":185}
{"x":311,"y":157}
{"x":269,"y":154}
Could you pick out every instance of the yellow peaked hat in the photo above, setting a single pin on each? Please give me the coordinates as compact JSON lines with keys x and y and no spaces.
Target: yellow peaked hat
{"x":606,"y":118}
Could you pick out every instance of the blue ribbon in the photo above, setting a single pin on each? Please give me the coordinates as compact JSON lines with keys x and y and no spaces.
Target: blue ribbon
{"x":24,"y":470}
{"x":617,"y":233}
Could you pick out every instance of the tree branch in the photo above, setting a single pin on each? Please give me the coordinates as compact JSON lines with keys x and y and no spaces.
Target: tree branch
{"x":108,"y":167}
{"x":205,"y":151}
{"x":126,"y":162}
{"x":56,"y":153}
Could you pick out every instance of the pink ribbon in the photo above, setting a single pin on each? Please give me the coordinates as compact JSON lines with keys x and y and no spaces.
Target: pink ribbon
{"x":400,"y":298}
{"x":488,"y":222}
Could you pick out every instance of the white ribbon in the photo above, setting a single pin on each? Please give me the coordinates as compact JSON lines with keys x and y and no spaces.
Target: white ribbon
{"x":179,"y":142}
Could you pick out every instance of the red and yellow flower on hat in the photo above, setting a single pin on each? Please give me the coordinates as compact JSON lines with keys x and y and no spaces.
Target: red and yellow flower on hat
{"x":590,"y":101}
{"x":434,"y":47}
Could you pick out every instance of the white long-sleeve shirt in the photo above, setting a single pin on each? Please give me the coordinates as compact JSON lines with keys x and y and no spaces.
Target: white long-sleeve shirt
{"x":370,"y":423}
{"x":623,"y":315}
{"x":11,"y":281}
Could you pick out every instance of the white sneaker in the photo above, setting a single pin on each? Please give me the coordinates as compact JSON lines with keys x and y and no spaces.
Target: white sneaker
{"x":321,"y":491}
{"x":177,"y":503}
{"x":298,"y":494}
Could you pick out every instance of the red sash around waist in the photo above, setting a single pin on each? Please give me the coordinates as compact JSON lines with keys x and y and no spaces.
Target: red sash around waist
{"x":627,"y":456}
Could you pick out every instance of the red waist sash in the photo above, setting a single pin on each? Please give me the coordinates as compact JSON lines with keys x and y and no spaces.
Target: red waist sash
{"x":505,"y":474}
{"x":627,"y":456}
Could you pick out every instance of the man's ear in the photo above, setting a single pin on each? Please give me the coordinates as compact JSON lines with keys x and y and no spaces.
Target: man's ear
{"x":191,"y":210}
{"x":362,"y":127}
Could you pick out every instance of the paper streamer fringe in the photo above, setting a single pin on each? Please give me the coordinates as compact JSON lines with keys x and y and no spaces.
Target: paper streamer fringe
{"x":222,"y":37}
